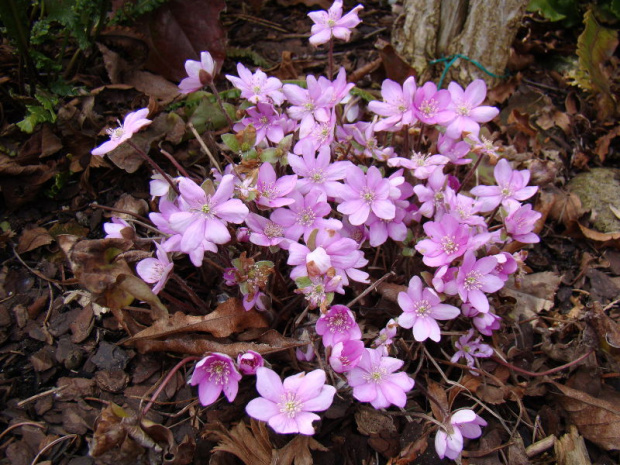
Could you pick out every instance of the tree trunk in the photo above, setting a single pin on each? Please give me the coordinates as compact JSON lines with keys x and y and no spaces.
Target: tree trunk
{"x":481,"y":30}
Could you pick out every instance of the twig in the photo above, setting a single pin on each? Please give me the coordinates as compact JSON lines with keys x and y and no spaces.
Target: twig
{"x":55,"y":390}
{"x":204,"y":147}
{"x":38,"y":274}
{"x":542,"y":373}
{"x":23,"y":423}
{"x":174,"y":161}
{"x":157,"y":168}
{"x":370,"y":288}
{"x":118,"y":210}
{"x":166,"y":381}
{"x":73,"y":437}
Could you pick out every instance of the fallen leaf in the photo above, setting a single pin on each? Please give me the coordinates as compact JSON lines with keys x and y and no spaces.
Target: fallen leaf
{"x":596,"y":418}
{"x":252,"y":446}
{"x":32,"y":239}
{"x":439,"y":401}
{"x":268,"y":342}
{"x":298,"y":451}
{"x":229,"y":317}
{"x":179,"y":30}
{"x":535,"y":293}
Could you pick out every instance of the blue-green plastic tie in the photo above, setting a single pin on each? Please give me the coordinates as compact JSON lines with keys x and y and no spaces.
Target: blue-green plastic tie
{"x":450,"y":61}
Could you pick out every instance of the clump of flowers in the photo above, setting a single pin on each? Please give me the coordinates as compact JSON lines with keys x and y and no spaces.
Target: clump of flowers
{"x":316,"y":198}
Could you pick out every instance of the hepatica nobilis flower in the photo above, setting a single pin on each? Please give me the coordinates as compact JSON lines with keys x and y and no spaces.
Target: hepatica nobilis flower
{"x":204,"y":216}
{"x":331,"y":23}
{"x":213,"y":374}
{"x":421,"y":309}
{"x":287,"y":406}
{"x":199,"y":73}
{"x":132,"y":123}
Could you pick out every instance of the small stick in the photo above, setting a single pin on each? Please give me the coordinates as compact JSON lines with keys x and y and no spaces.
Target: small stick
{"x":166,"y":381}
{"x":73,"y":437}
{"x":204,"y":147}
{"x":370,"y":288}
{"x":157,"y":168}
{"x":17,"y":425}
{"x":174,"y":161}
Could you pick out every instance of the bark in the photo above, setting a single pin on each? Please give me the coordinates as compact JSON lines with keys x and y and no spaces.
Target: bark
{"x":482,"y":30}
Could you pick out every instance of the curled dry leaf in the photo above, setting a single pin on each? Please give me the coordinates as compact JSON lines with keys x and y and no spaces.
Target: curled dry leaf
{"x":94,"y":263}
{"x":534,"y":293}
{"x":192,"y":344}
{"x":228,"y":318}
{"x":32,"y":239}
{"x":252,"y":446}
{"x":597,"y":418}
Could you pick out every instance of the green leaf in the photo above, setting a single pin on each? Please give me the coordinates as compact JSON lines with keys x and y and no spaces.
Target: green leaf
{"x":231,"y":142}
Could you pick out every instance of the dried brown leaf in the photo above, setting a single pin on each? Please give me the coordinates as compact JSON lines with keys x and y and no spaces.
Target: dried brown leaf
{"x":439,"y":401}
{"x":32,"y":239}
{"x":180,"y":30}
{"x":251,"y":446}
{"x":570,"y":449}
{"x":534,"y":293}
{"x":228,"y":318}
{"x":597,"y":418}
{"x":298,"y":451}
{"x":268,"y":342}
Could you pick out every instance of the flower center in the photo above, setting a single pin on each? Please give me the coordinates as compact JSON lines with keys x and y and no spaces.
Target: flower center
{"x":256,"y":89}
{"x":376,"y":375}
{"x":463,"y":109}
{"x":289,"y":405}
{"x":472,"y":280}
{"x":115,"y":133}
{"x":273,"y":230}
{"x":317,"y":176}
{"x":218,"y":372}
{"x":268,"y":190}
{"x":207,"y":209}
{"x":338,"y":323}
{"x":367,"y":195}
{"x":506,"y":192}
{"x":306,"y":217}
{"x":422,"y":307}
{"x":429,"y":107}
{"x":449,"y":245}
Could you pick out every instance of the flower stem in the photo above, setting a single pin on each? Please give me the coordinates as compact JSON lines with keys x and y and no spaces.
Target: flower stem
{"x":470,"y":173}
{"x":165,"y":382}
{"x":330,"y":59}
{"x":157,"y":168}
{"x":221,"y":104}
{"x":174,"y":161}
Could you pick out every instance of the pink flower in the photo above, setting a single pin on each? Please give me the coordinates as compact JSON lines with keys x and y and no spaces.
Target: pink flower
{"x":421,"y":308}
{"x":448,"y":239}
{"x":115,"y":227}
{"x":331,"y":23}
{"x":466,"y":105}
{"x":265,"y":232}
{"x":520,"y":224}
{"x":249,"y":362}
{"x":345,"y":355}
{"x":317,"y":171}
{"x":462,"y":423}
{"x":132,"y":123}
{"x":430,"y":106}
{"x":475,"y":277}
{"x":287,"y":406}
{"x":337,"y":325}
{"x":397,"y":105}
{"x":155,"y":270}
{"x":364,"y":193}
{"x":257,"y":87}
{"x":272,"y":190}
{"x":373,"y":380}
{"x":267,"y":122}
{"x":469,"y":349}
{"x":386,"y":335}
{"x":200,"y":73}
{"x":204,"y":217}
{"x":213,"y":374}
{"x":511,"y":188}
{"x":305,"y":215}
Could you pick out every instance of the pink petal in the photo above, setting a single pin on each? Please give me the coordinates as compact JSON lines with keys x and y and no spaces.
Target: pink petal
{"x":262,"y":409}
{"x":268,"y":384}
{"x":208,"y":392}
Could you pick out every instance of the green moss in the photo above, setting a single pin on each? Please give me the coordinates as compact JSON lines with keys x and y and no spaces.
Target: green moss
{"x":599,"y":192}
